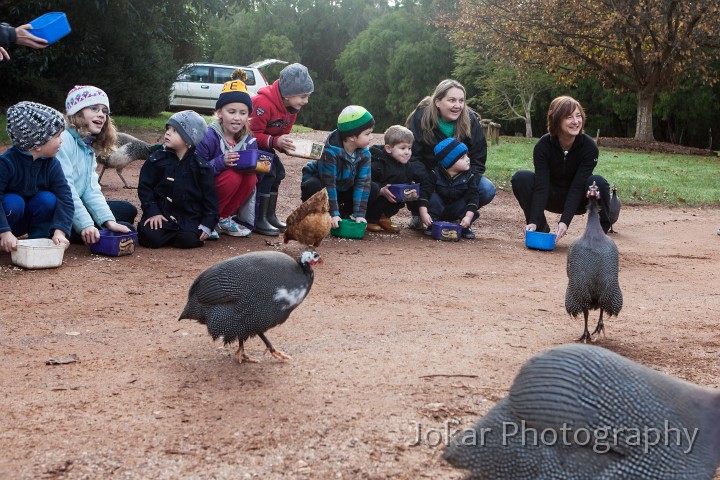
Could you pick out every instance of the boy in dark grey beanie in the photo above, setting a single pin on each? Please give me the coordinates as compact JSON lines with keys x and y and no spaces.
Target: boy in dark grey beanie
{"x":177,"y":188}
{"x":275,"y":110}
{"x":36,"y":198}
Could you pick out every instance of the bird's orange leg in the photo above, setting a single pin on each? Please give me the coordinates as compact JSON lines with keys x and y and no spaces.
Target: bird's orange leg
{"x":271,"y":349}
{"x":241,"y":356}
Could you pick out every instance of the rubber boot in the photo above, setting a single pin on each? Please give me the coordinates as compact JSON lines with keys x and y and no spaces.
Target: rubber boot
{"x":262,"y":226}
{"x":271,"y":216}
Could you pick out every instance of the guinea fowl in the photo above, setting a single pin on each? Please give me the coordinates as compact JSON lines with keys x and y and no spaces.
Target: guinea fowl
{"x":581,"y":412}
{"x":613,"y":209}
{"x":129,"y":149}
{"x":592,"y":270}
{"x":249,"y":294}
{"x":310,"y":222}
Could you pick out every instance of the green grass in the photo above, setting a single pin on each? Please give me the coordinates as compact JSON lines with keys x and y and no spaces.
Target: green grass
{"x":649,"y":178}
{"x":644,"y":178}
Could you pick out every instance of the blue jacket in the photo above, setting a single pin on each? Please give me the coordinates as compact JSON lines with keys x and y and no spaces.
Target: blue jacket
{"x":463,"y":185}
{"x":21,"y":175}
{"x":183,"y":191}
{"x":340,"y":172}
{"x":79,"y":165}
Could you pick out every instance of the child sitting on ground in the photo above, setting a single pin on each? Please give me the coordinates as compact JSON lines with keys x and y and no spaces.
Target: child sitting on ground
{"x":227,"y":135}
{"x":389,"y":166}
{"x":177,"y":188}
{"x":344,"y":167}
{"x":450,"y":192}
{"x":34,"y":195}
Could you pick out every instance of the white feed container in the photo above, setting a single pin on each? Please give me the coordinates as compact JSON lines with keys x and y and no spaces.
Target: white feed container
{"x":307,"y":148}
{"x":38,"y":253}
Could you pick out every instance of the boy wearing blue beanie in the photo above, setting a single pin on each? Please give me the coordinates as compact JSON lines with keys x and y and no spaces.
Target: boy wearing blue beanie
{"x":450,"y":193}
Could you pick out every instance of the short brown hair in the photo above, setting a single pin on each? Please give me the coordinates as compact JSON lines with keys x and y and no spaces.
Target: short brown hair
{"x":560,"y":108}
{"x":398,"y":134}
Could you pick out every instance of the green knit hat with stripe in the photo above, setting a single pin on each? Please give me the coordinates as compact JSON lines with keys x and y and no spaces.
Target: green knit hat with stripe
{"x":353,"y":120}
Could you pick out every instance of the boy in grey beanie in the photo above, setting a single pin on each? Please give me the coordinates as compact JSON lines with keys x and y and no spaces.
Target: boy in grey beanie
{"x":36,"y":198}
{"x":275,"y":110}
{"x":177,"y":188}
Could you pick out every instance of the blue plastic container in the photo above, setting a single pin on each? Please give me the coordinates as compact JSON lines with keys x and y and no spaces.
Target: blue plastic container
{"x":250,"y":158}
{"x":447,"y":231}
{"x":540,"y":240}
{"x":52,"y":26}
{"x":405,"y":192}
{"x":114,"y":244}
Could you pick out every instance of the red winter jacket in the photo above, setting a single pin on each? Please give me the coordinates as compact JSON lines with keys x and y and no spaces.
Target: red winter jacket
{"x":270,"y":118}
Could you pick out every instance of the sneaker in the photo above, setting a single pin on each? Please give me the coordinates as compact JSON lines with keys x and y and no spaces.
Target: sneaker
{"x":467,"y":233}
{"x":214,"y":235}
{"x":416,"y":223}
{"x":229,"y":227}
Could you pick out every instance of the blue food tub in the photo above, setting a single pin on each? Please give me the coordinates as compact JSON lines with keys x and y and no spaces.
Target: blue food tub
{"x":447,"y":231}
{"x":540,"y":240}
{"x":52,"y":26}
{"x":114,"y":244}
{"x":405,"y":192}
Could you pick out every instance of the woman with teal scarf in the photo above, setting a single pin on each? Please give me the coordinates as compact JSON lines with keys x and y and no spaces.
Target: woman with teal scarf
{"x":440,"y":116}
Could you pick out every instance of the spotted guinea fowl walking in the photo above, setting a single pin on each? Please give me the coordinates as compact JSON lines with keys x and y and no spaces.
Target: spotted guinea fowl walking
{"x":581,"y":412}
{"x":592,"y":270}
{"x":129,"y":149}
{"x":614,"y":206}
{"x":249,"y":294}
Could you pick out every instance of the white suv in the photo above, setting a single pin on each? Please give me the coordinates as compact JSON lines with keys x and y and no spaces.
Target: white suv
{"x":198,"y":85}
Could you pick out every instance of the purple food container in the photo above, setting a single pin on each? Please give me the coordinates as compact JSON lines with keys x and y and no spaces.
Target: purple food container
{"x":114,"y":244}
{"x":447,"y":231}
{"x":405,"y":192}
{"x":250,"y":158}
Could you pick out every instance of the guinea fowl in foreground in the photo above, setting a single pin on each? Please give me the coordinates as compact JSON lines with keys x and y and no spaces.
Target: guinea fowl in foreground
{"x":592,"y":270}
{"x":581,"y":412}
{"x":249,"y":294}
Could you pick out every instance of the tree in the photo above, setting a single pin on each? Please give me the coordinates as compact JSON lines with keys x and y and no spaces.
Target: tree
{"x":645,"y":46}
{"x":393,"y":64}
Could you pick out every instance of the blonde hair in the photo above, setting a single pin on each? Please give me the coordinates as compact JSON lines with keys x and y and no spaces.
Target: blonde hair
{"x":241,"y":75}
{"x":560,"y":108}
{"x":431,"y":113}
{"x":104,"y":142}
{"x":398,"y":134}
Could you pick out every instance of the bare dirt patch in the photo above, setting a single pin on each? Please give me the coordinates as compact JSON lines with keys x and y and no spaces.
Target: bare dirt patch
{"x":399,"y":331}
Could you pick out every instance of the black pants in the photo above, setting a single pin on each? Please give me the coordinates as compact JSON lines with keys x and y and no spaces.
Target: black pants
{"x":270,"y":183}
{"x":312,"y":185}
{"x":162,"y":237}
{"x":124,"y":213}
{"x":523,"y":184}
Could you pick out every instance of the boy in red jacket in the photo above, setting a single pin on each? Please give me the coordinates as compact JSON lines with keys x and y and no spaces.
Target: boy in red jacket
{"x":275,"y":109}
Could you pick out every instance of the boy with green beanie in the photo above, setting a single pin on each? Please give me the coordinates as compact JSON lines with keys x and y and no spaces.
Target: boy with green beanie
{"x":344,"y":167}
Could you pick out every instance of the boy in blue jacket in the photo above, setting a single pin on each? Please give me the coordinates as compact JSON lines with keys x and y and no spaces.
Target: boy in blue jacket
{"x":344,"y":167}
{"x":35,"y":198}
{"x":450,"y":192}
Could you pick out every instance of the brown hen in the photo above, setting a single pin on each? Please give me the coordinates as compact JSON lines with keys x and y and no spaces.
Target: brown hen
{"x":310,"y":222}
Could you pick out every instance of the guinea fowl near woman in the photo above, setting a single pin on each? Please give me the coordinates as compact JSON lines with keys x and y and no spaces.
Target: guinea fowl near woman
{"x":249,"y":294}
{"x":592,"y":270}
{"x":581,"y":412}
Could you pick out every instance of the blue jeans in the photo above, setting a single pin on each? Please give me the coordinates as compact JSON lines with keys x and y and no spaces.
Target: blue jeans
{"x":487,"y":193}
{"x":31,"y":215}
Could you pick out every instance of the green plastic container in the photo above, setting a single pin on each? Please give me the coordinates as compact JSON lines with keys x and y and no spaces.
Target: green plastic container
{"x":349,"y":229}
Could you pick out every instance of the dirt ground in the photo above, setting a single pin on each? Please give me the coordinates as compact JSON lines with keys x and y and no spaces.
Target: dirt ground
{"x":399,"y":333}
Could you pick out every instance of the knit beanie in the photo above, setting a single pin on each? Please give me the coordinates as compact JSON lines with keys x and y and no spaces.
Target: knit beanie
{"x":295,"y":80}
{"x":449,"y":151}
{"x":234,"y":91}
{"x":82,"y":96}
{"x":353,"y":120}
{"x":30,"y":125}
{"x":191,"y":126}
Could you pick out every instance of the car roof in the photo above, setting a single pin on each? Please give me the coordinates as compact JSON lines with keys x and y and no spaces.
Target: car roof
{"x":258,"y":64}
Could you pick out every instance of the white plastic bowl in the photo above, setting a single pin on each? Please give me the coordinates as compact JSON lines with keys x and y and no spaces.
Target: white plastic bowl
{"x":38,"y":253}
